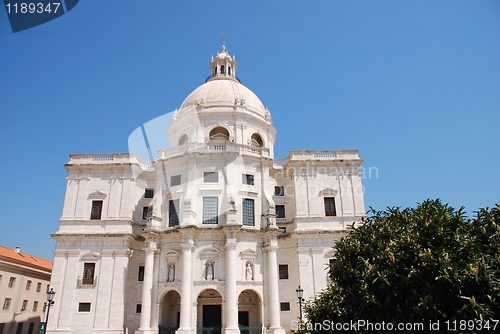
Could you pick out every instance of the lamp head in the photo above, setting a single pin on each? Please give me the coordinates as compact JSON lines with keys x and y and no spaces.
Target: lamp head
{"x":50,"y":295}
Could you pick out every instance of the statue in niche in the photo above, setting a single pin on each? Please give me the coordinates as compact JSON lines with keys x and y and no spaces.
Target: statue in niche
{"x":249,"y":272}
{"x":210,"y":271}
{"x":171,"y":273}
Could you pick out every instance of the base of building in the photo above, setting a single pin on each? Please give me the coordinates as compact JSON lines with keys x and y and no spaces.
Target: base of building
{"x":278,"y":330}
{"x":185,"y":331}
{"x":233,"y":330}
{"x":145,"y":331}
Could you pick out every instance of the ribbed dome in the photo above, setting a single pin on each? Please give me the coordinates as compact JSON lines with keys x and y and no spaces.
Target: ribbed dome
{"x":223,"y":92}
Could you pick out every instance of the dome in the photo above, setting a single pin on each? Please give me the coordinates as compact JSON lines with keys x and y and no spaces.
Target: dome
{"x":224,"y":92}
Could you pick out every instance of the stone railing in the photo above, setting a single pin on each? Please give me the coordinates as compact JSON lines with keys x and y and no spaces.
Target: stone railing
{"x":213,"y":148}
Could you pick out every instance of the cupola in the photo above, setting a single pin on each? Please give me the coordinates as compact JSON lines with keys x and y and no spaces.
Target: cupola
{"x":223,"y":66}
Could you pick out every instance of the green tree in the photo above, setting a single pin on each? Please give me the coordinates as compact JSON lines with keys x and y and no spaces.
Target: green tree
{"x":426,"y":263}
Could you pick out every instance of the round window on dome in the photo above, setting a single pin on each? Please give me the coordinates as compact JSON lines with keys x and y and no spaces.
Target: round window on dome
{"x":256,"y":140}
{"x":219,"y":133}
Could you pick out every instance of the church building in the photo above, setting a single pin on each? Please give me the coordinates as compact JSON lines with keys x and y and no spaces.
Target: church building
{"x":212,"y":235}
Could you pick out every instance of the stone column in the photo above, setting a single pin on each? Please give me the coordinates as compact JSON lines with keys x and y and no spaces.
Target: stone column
{"x":186,"y":287}
{"x":274,"y":301}
{"x":231,"y":297}
{"x":145,"y":324}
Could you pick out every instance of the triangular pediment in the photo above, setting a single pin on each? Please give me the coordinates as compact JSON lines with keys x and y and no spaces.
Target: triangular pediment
{"x":248,"y":254}
{"x":172,"y":253}
{"x":209,"y":252}
{"x":97,"y":195}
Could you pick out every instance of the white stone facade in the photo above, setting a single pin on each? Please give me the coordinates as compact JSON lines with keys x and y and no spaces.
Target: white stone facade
{"x":214,"y":233}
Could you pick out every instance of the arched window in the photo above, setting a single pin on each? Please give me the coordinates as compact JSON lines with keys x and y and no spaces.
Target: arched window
{"x":229,"y":70}
{"x":256,"y":140}
{"x":183,"y":140}
{"x":219,"y":132}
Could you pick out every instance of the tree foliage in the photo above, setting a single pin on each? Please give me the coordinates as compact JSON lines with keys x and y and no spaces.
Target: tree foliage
{"x":426,"y":263}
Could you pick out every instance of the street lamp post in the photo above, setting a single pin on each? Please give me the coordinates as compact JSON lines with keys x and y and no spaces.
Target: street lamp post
{"x":50,"y":302}
{"x":300,"y":294}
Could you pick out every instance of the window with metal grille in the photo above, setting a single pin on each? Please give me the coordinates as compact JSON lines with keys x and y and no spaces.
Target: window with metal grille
{"x":44,"y":308}
{"x":279,"y":191}
{"x":210,"y":210}
{"x":285,"y":306}
{"x":35,"y":306}
{"x":12,"y":282}
{"x":175,"y":180}
{"x":173,"y":215}
{"x":247,"y":179}
{"x":96,"y":211}
{"x":248,"y":212}
{"x":140,"y":274}
{"x":330,"y":206}
{"x":6,"y":304}
{"x":38,"y":287}
{"x":146,"y":212}
{"x":280,"y":211}
{"x":283,"y":271}
{"x":149,"y":193}
{"x":30,"y":328}
{"x":83,"y":307}
{"x":88,"y":273}
{"x":19,"y":329}
{"x":210,"y":177}
{"x":24,"y":305}
{"x":28,"y":285}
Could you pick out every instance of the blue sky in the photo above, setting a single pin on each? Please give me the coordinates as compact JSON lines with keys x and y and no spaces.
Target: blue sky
{"x":413,"y":85}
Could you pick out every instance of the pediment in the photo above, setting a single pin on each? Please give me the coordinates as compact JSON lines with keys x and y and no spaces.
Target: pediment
{"x":209,"y":252}
{"x":170,"y":253}
{"x":97,"y":195}
{"x":248,"y":254}
{"x":328,"y":192}
{"x":331,"y":253}
{"x":89,"y":257}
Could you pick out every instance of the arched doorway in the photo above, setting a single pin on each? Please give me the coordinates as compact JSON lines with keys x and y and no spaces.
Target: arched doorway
{"x":249,"y":312}
{"x":170,"y":313}
{"x":209,"y":312}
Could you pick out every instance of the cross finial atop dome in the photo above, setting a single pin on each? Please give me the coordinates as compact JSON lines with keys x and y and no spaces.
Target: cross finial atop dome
{"x":224,"y":39}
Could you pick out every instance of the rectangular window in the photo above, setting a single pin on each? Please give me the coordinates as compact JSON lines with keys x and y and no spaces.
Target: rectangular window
{"x":175,"y":180}
{"x":44,"y":308}
{"x":6,"y":304}
{"x":330,"y":206}
{"x":140,"y":275}
{"x":210,"y":177}
{"x":96,"y":210}
{"x":283,"y":271}
{"x":173,"y":215}
{"x":210,"y":210}
{"x":280,"y":211}
{"x":279,"y":191}
{"x":83,"y":307}
{"x":47,"y":289}
{"x":247,"y":179}
{"x":88,"y":273}
{"x":35,"y":306}
{"x":24,"y":305}
{"x":248,"y":212}
{"x":138,"y":308}
{"x":30,"y":328}
{"x":149,"y":193}
{"x":1,"y":276}
{"x":285,"y":306}
{"x":2,"y":326}
{"x":146,"y":212}
{"x":28,"y":285}
{"x":19,"y":328}
{"x":12,"y":282}
{"x":38,"y":287}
